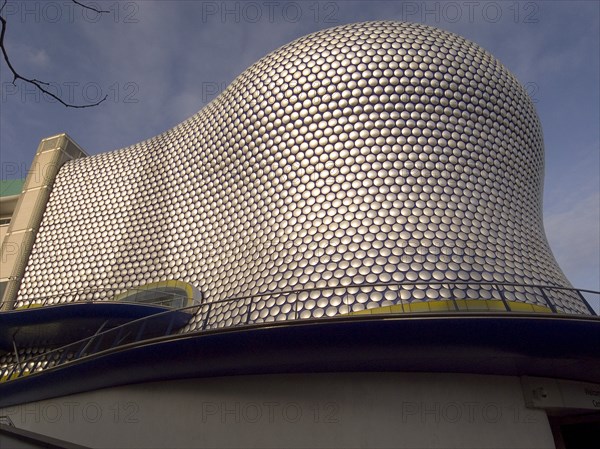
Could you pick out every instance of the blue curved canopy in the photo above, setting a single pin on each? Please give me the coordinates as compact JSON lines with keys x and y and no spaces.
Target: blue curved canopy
{"x":65,"y":323}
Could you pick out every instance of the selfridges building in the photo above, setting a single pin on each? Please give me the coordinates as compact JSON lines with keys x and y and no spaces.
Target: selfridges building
{"x":355,"y":228}
{"x":363,"y":166}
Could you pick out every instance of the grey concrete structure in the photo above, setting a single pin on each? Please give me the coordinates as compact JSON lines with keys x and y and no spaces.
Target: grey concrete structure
{"x":26,"y":214}
{"x":379,"y":410}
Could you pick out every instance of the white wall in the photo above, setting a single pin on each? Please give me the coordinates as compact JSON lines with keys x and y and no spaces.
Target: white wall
{"x":296,"y":411}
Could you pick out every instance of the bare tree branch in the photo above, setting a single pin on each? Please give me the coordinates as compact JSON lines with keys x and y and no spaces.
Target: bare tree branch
{"x":34,"y":82}
{"x":99,"y":11}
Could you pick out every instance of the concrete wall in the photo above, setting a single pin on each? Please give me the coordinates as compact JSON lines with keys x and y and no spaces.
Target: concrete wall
{"x":17,"y":240}
{"x":13,"y":438}
{"x":374,"y":410}
{"x":3,"y":231}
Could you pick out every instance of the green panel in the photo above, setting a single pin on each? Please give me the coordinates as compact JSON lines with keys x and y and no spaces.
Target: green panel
{"x":11,"y":187}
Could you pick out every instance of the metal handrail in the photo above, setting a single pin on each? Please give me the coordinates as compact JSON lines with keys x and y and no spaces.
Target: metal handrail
{"x":116,"y":291}
{"x":112,"y":292}
{"x":131,"y":332}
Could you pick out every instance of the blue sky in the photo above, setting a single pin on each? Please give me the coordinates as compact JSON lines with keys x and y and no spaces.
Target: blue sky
{"x":159,"y":62}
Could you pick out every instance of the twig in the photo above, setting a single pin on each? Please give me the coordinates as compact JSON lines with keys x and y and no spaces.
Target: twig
{"x":99,"y":11}
{"x":37,"y":83}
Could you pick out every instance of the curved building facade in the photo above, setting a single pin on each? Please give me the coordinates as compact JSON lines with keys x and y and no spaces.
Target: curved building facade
{"x":383,"y":153}
{"x":338,"y":186}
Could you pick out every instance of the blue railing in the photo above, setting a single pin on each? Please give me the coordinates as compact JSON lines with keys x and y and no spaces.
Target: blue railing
{"x":315,"y":303}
